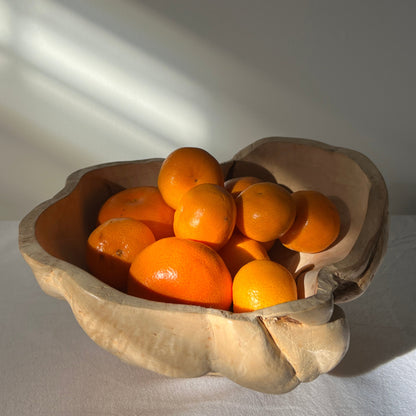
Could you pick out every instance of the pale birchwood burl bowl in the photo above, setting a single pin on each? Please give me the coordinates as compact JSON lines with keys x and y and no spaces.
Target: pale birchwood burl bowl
{"x":271,"y":350}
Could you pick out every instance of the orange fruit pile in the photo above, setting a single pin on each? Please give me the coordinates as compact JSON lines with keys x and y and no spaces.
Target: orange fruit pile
{"x":195,"y":239}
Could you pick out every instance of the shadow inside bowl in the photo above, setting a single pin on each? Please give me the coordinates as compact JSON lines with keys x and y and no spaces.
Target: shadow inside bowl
{"x":62,"y":229}
{"x":240,"y":168}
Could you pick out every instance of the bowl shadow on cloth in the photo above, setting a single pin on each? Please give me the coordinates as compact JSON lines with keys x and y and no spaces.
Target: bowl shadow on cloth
{"x":382,"y":321}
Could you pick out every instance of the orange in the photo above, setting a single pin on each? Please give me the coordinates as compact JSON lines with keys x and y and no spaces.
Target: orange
{"x":206,"y":213}
{"x":260,"y":284}
{"x":177,"y":270}
{"x":112,"y":247}
{"x":240,"y":250}
{"x":144,"y":203}
{"x":317,"y":223}
{"x":236,"y":185}
{"x":185,"y":168}
{"x":265,"y":211}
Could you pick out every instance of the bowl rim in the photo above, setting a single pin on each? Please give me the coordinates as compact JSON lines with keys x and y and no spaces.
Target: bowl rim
{"x":314,"y":309}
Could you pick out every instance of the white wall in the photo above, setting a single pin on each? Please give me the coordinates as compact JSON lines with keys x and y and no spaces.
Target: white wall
{"x":84,"y":82}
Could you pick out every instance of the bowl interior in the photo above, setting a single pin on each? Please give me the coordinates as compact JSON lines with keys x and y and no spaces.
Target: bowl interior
{"x":308,"y":167}
{"x":63,"y":227}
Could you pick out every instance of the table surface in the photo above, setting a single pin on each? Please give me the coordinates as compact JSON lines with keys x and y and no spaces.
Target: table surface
{"x":49,"y":366}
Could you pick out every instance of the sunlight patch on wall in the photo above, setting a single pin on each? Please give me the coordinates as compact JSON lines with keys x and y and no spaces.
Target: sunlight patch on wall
{"x":5,"y":23}
{"x":124,"y":85}
{"x":132,"y":139}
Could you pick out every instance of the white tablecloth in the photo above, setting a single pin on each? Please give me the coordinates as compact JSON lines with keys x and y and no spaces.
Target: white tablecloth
{"x":48,"y":366}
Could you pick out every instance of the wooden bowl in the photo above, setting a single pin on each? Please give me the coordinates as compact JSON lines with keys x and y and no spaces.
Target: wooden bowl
{"x":270,"y":350}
